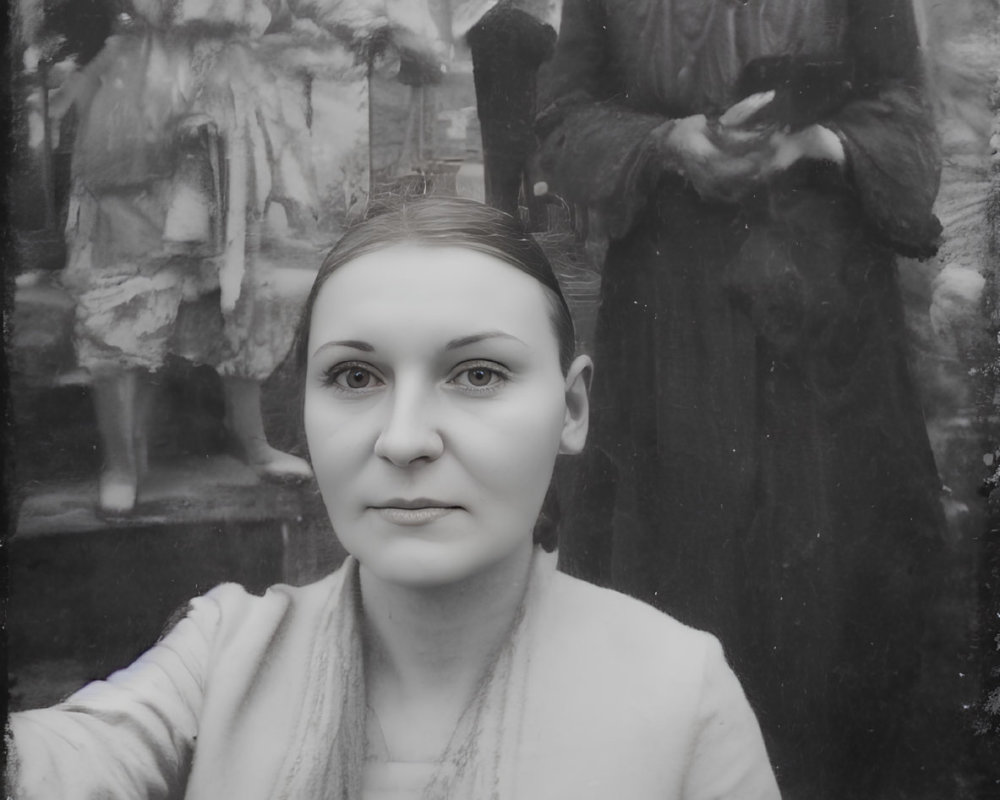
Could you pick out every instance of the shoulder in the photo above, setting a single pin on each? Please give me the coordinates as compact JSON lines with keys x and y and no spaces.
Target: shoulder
{"x":232,"y":610}
{"x":615,"y":639}
{"x":643,"y":699}
{"x":614,"y":618}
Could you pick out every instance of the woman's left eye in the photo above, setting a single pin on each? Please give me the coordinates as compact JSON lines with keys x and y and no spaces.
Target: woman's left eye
{"x":352,"y":377}
{"x":479,"y":376}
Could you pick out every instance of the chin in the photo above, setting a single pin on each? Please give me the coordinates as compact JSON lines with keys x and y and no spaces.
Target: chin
{"x":424,"y":573}
{"x":420,"y":564}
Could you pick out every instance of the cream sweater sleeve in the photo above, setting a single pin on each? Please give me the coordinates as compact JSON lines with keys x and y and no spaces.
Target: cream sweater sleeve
{"x":729,"y":760}
{"x":130,"y":736}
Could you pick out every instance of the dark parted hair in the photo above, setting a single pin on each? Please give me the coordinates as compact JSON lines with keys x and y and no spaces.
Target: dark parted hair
{"x":444,"y":222}
{"x":441,"y":221}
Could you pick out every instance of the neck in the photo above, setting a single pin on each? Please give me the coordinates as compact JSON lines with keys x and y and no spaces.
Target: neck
{"x":441,"y":638}
{"x":428,"y":651}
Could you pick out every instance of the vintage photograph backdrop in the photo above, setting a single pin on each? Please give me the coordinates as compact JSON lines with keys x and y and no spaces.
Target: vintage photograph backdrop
{"x":343,"y":98}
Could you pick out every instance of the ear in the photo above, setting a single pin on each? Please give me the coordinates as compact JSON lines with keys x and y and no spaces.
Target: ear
{"x":577,"y":419}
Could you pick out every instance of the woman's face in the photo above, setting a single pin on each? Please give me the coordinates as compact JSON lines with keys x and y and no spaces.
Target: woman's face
{"x":434,"y":409}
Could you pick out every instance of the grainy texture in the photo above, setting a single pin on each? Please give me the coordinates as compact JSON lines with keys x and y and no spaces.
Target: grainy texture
{"x":758,"y":436}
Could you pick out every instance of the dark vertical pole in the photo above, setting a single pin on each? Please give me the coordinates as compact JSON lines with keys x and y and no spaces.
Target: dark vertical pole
{"x":48,"y":179}
{"x":307,"y":83}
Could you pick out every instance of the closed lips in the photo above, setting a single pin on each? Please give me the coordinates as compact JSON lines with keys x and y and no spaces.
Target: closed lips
{"x":420,"y":502}
{"x":414,"y":514}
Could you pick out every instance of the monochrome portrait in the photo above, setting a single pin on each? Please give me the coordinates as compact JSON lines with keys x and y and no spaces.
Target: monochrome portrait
{"x":503,"y":399}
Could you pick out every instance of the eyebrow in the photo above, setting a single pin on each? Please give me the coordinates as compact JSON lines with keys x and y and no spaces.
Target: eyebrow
{"x":454,"y":344}
{"x":353,"y":344}
{"x":463,"y":341}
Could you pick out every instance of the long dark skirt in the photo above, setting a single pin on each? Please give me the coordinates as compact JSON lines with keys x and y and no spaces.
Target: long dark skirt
{"x":783,"y":498}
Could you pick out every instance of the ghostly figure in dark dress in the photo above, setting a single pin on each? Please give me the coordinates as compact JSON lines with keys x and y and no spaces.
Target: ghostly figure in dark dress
{"x":759,"y":462}
{"x":508,"y":46}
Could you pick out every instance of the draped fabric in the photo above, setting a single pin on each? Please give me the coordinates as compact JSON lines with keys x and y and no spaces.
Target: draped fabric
{"x":698,"y":48}
{"x":184,"y":141}
{"x":758,"y":450}
{"x":195,"y":123}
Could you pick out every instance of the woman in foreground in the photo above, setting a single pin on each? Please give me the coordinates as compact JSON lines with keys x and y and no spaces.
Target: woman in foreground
{"x":446,"y":658}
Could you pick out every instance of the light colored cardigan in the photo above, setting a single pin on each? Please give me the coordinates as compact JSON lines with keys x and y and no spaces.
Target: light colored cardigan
{"x":606,"y":697}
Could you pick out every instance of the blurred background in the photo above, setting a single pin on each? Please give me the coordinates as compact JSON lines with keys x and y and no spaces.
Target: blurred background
{"x":391,"y":103}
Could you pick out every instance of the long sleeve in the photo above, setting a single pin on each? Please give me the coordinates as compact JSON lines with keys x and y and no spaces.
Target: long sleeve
{"x":728,"y":760}
{"x":888,"y":131}
{"x":814,"y":280}
{"x":131,"y":736}
{"x":586,"y":120}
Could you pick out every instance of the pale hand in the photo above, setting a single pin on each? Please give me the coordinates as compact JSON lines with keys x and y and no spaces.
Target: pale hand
{"x":687,"y":145}
{"x":813,"y":142}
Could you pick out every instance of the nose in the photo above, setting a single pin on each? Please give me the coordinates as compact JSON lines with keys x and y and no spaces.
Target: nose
{"x":410,"y":434}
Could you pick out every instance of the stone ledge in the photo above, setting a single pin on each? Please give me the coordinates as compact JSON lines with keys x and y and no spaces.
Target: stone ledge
{"x":183,"y":491}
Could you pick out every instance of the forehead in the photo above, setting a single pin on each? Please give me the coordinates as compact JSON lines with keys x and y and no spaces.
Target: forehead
{"x":412,"y":288}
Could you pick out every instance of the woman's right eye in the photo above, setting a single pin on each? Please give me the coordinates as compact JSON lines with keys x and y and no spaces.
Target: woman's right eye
{"x":351,"y":377}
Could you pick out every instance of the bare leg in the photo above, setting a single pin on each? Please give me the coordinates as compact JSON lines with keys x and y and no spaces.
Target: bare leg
{"x":243,"y":418}
{"x":144,"y":396}
{"x":121,"y":423}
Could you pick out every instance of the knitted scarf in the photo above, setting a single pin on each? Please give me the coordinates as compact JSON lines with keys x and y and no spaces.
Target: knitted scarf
{"x":325,"y":759}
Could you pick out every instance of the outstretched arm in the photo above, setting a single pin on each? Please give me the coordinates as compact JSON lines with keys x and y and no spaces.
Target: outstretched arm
{"x":131,"y":736}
